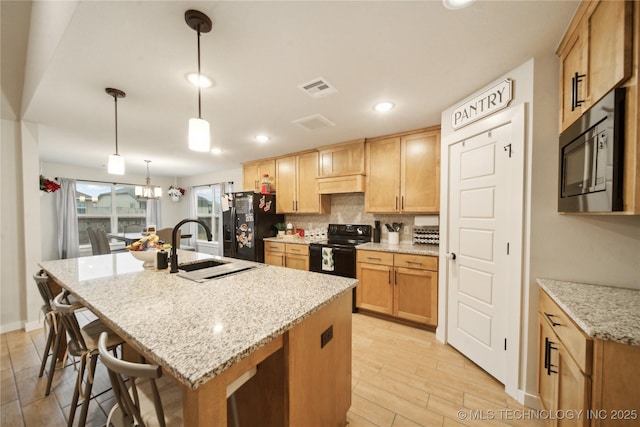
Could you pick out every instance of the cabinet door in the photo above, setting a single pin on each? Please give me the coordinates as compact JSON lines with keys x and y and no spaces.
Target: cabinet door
{"x":382,"y":159}
{"x":375,"y":291}
{"x":572,"y":61}
{"x":250,"y":176}
{"x":286,"y":181}
{"x":342,"y":159}
{"x":573,"y":389}
{"x":274,"y":258}
{"x":610,"y":42}
{"x":299,"y":262}
{"x":307,"y":198}
{"x":267,"y":167}
{"x":420,"y":173}
{"x":546,"y":379}
{"x":416,"y":295}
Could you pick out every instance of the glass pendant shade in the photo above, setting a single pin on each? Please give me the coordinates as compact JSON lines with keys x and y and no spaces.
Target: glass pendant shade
{"x":148,"y":192}
{"x":199,"y":137}
{"x":116,"y":164}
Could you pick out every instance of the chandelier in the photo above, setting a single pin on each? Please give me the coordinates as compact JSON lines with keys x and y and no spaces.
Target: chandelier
{"x":148,"y":192}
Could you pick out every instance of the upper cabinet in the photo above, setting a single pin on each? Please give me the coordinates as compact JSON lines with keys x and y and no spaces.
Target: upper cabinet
{"x":297,"y":187}
{"x":341,"y":168}
{"x":595,"y":56}
{"x":403,"y":173}
{"x":253,"y":172}
{"x":599,"y":52}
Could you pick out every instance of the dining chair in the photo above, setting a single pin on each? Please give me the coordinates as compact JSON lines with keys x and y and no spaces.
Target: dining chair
{"x":93,"y":239}
{"x":52,"y":320}
{"x":102,"y":242}
{"x":165,"y":235}
{"x":83,"y":344}
{"x":142,"y":402}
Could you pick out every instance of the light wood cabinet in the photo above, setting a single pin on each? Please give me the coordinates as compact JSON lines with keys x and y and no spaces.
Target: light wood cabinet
{"x":404,"y":286}
{"x":252,"y":173}
{"x":595,"y":56}
{"x":297,"y":187}
{"x":346,"y":158}
{"x":403,"y":173}
{"x":578,"y":373}
{"x":290,"y":255}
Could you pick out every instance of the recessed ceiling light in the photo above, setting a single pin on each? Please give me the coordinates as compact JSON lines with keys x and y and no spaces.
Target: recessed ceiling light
{"x":383,"y":107}
{"x":456,"y":4}
{"x":262,"y":138}
{"x":204,"y":80}
{"x":216,"y":150}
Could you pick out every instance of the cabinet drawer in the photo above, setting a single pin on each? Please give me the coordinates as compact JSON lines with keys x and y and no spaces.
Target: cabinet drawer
{"x":274,"y":246}
{"x":578,"y":345}
{"x":297,"y":249}
{"x":375,"y":257}
{"x":423,"y":262}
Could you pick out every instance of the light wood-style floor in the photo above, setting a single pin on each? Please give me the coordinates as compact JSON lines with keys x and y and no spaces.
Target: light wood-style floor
{"x":402,"y":377}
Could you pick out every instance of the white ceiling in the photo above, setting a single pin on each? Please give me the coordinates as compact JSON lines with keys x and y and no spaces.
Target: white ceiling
{"x":417,"y":54}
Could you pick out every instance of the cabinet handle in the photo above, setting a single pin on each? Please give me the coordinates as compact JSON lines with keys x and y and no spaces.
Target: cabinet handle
{"x":546,"y":353}
{"x":389,"y":277}
{"x":374,"y":259}
{"x":549,"y":316}
{"x":396,"y":202}
{"x":575,"y":81}
{"x":414,"y":262}
{"x":395,"y":277}
{"x":549,"y":364}
{"x":402,"y":202}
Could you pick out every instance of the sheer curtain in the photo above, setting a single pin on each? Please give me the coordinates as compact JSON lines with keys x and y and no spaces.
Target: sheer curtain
{"x":153,"y":213}
{"x":193,"y":213}
{"x":67,"y":220}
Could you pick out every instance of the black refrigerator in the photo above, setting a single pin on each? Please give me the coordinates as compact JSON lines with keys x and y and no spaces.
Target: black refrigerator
{"x":250,"y":218}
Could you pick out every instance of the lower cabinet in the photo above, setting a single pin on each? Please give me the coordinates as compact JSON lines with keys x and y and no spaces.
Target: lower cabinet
{"x":403,"y":286}
{"x":291,"y":255}
{"x":596,"y":381}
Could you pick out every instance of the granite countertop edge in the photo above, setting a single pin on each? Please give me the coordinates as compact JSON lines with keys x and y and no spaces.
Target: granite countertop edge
{"x":602,"y":312}
{"x":404,"y":248}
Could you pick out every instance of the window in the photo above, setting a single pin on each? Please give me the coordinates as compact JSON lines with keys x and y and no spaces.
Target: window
{"x":111,"y":207}
{"x":208,"y":210}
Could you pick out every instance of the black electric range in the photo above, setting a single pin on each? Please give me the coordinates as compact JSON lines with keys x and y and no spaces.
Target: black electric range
{"x":337,"y":254}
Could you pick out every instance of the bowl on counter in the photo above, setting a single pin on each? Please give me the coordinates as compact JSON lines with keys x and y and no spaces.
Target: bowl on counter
{"x":148,"y":257}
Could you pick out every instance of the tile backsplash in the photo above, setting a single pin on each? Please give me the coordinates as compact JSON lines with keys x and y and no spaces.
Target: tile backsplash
{"x":349,"y":209}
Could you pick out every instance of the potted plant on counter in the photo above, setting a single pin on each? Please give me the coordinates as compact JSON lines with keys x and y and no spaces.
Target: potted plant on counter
{"x":281,"y":227}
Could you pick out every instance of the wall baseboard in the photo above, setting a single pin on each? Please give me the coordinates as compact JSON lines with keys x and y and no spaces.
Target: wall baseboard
{"x":10,"y":327}
{"x":32,"y":326}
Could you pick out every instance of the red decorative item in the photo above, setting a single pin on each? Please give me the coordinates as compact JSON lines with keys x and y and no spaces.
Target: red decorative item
{"x":48,"y":186}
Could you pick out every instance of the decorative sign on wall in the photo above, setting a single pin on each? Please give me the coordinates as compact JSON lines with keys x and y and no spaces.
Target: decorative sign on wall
{"x":488,"y":102}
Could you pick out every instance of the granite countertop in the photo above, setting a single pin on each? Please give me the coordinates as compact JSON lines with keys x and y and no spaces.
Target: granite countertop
{"x":405,"y":248}
{"x":294,"y":240}
{"x":602,"y":312}
{"x":195,"y":330}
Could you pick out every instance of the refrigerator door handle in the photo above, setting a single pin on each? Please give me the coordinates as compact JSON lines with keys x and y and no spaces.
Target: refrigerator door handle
{"x":234,"y":228}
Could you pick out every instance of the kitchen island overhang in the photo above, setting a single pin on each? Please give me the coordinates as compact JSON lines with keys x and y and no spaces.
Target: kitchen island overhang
{"x":198,"y":332}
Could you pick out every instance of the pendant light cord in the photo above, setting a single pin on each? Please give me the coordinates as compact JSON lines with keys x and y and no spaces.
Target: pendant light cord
{"x":199,"y":97}
{"x":115,"y":100}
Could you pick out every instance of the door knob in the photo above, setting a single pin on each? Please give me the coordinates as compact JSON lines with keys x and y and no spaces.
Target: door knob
{"x":451,"y":256}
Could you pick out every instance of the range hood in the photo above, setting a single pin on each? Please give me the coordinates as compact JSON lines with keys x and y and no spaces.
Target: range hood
{"x":341,"y":184}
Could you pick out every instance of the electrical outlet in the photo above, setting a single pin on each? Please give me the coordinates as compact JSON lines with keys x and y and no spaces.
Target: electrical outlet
{"x":326,"y":336}
{"x":406,"y":230}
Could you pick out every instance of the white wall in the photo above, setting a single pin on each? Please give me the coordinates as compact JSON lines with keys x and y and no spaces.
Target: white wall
{"x":12,"y":277}
{"x":592,"y":249}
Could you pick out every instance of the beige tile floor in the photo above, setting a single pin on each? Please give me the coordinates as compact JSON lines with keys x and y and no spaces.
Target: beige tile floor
{"x":402,"y":377}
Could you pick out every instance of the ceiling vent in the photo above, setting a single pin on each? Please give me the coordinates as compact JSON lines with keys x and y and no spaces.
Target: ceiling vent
{"x":318,"y":88}
{"x":315,"y":122}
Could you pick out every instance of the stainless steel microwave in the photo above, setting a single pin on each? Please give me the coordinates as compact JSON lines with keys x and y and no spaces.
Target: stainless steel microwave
{"x":591,"y":158}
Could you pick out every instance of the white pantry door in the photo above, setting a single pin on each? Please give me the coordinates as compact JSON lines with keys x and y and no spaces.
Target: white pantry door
{"x":479,"y":207}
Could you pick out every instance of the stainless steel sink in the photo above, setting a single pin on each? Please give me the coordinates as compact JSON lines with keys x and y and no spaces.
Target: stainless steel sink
{"x":212,"y":269}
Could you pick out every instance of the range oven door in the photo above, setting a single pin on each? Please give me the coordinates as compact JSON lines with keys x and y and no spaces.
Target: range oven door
{"x":344,"y":263}
{"x":344,"y":260}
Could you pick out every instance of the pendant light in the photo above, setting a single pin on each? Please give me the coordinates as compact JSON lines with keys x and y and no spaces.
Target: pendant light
{"x":199,"y":135}
{"x":116,"y":162}
{"x":148,"y":192}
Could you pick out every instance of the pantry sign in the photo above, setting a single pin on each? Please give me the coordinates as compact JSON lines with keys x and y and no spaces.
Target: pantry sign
{"x":488,"y":102}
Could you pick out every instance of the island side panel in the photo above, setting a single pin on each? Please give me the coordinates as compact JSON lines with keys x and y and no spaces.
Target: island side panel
{"x":319,"y":378}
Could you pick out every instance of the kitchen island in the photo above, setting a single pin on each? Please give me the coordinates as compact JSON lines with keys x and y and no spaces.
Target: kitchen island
{"x":205,"y":335}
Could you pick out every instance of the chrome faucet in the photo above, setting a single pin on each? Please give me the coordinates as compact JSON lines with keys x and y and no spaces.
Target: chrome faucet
{"x":174,"y":236}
